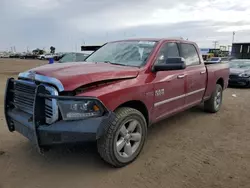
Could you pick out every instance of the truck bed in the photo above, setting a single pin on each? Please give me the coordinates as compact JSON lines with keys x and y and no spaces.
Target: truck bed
{"x":215,"y":72}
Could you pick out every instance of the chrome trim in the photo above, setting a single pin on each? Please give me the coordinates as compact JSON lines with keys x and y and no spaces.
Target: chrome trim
{"x":196,"y":91}
{"x":43,"y":79}
{"x":178,"y":97}
{"x":177,"y":109}
{"x":181,"y":76}
{"x":168,"y":100}
{"x":54,"y":106}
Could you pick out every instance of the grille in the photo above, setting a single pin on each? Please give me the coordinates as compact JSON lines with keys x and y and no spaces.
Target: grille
{"x":24,"y":96}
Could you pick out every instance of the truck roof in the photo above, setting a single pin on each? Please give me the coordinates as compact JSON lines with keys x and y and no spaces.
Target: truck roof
{"x":155,"y":39}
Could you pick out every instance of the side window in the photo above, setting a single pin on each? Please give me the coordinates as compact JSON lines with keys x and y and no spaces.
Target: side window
{"x":80,"y":57}
{"x":167,"y":50}
{"x":190,"y":54}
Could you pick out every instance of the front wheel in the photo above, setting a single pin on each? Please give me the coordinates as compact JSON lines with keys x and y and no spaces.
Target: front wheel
{"x":124,"y":138}
{"x":214,"y":103}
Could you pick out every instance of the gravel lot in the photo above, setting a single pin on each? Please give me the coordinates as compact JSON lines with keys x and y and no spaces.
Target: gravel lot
{"x":192,"y":149}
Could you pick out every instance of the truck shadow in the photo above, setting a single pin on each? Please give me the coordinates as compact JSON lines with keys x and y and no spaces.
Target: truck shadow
{"x":86,"y":156}
{"x":238,"y":87}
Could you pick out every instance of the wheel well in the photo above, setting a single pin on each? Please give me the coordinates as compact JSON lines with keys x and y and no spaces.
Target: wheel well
{"x":138,"y":105}
{"x":221,"y":82}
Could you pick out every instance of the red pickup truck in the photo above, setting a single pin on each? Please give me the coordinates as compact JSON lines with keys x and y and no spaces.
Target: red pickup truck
{"x":113,"y":96}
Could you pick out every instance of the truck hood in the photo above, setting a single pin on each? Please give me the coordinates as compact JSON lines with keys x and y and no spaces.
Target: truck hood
{"x":76,"y":74}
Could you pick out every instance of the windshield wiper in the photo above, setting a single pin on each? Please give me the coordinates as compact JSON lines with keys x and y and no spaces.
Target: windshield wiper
{"x":114,"y":63}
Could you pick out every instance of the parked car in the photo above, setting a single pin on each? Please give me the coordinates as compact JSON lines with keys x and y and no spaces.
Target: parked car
{"x":4,"y":55}
{"x":15,"y":55}
{"x":239,"y":72}
{"x":217,"y":60}
{"x":113,"y":96}
{"x":73,"y":57}
{"x":45,"y":56}
{"x":28,"y":56}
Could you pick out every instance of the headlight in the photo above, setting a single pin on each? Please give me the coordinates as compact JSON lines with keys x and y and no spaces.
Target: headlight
{"x":80,"y":109}
{"x":244,"y":75}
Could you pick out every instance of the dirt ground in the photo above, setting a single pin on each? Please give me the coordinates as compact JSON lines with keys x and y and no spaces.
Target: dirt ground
{"x":192,"y":149}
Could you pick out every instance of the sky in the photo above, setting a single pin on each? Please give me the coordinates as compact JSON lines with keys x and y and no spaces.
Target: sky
{"x":68,"y":24}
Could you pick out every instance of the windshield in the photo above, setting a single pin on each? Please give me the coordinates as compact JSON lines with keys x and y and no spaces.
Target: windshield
{"x":240,"y":64}
{"x":128,"y":53}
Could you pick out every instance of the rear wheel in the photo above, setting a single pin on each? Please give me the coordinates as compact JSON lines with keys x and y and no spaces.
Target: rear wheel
{"x":124,"y":138}
{"x":214,"y":103}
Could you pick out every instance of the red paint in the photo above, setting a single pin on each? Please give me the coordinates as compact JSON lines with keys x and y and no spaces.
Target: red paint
{"x":141,"y":83}
{"x":74,"y":75}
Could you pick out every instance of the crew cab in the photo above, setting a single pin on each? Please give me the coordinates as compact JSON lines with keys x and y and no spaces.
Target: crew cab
{"x":113,"y":96}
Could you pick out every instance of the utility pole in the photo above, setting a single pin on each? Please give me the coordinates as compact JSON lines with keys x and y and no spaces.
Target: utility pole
{"x":215,"y":43}
{"x":233,"y":37}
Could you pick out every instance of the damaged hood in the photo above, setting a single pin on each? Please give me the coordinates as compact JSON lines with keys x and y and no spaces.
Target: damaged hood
{"x":77,"y":74}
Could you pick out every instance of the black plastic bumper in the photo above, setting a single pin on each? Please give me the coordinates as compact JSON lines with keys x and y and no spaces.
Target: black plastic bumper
{"x":61,"y":132}
{"x":243,"y":82}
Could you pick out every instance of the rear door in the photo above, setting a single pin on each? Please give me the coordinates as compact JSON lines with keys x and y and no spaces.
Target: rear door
{"x":196,"y":74}
{"x":168,"y":85}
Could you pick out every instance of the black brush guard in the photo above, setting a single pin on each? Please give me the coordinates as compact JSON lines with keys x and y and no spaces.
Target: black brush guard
{"x":38,"y":117}
{"x":34,"y":126}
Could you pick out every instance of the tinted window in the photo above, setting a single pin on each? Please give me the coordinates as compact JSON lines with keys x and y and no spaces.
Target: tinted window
{"x":166,"y":51}
{"x":190,"y":54}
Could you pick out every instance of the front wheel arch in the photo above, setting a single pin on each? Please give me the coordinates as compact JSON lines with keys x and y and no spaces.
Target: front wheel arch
{"x":138,"y":105}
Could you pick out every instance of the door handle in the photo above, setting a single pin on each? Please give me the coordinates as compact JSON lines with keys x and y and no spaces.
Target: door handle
{"x":202,"y":72}
{"x":181,"y":76}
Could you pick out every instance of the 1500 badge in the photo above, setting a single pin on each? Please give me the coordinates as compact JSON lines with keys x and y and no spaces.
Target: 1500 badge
{"x":159,"y":92}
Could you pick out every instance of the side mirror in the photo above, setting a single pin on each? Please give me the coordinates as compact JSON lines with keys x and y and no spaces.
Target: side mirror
{"x":172,"y":63}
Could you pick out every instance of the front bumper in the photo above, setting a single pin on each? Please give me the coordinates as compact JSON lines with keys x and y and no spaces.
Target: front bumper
{"x":243,"y":82}
{"x":39,"y":133}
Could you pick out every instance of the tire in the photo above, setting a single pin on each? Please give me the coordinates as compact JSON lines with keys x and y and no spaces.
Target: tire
{"x":114,"y":134}
{"x":213,"y":104}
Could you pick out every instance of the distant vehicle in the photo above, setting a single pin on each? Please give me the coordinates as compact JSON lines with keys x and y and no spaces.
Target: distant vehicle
{"x":4,"y":55}
{"x":28,"y":56}
{"x":239,"y":72}
{"x":217,"y":60}
{"x":73,"y":57}
{"x":45,"y":56}
{"x":113,"y":96}
{"x":16,"y":55}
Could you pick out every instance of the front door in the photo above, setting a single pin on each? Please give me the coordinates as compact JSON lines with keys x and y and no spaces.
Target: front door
{"x":169,"y":86}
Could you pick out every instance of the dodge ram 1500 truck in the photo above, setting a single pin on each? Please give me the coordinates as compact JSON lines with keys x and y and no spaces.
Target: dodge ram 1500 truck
{"x":113,"y":96}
